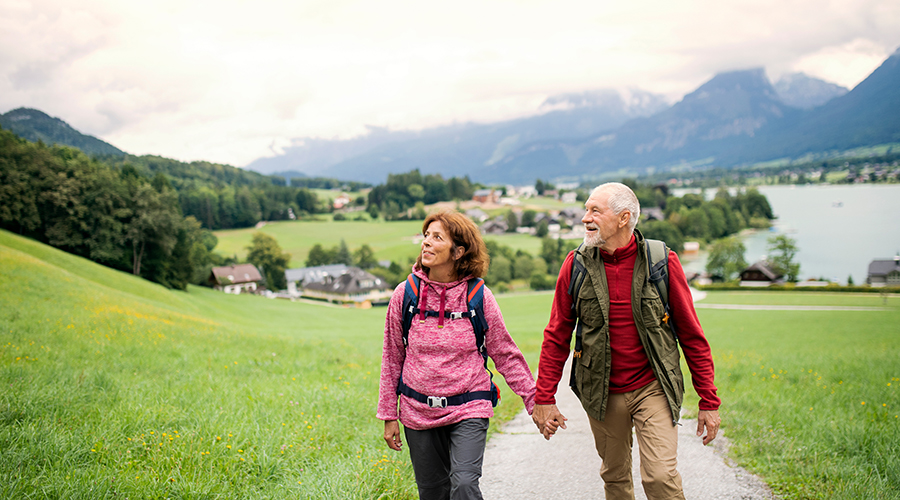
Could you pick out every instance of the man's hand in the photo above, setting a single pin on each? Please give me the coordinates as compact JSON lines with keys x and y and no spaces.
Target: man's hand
{"x":392,"y":434}
{"x":548,"y":419}
{"x":709,"y":419}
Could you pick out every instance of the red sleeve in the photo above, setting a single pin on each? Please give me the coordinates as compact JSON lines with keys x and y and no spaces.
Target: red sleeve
{"x":557,"y":337}
{"x":690,"y":335}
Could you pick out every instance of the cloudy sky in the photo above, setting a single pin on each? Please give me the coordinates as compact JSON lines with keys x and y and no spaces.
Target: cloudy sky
{"x":233,"y":80}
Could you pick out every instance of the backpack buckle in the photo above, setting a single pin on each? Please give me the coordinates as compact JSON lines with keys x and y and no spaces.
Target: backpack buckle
{"x":456,"y":315}
{"x":437,"y":402}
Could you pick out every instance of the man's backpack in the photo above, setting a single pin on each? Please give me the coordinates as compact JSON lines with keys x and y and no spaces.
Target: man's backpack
{"x":475,"y":314}
{"x":658,"y":275}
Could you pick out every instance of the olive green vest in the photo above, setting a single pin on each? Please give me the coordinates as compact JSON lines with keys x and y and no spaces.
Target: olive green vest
{"x":590,"y":372}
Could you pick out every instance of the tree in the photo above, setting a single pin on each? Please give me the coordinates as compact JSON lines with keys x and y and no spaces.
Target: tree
{"x":542,"y":229}
{"x":695,"y":223}
{"x":782,"y":249}
{"x":541,"y":186}
{"x":726,"y":258}
{"x":512,"y":222}
{"x":528,"y":218}
{"x":318,"y":256}
{"x":500,"y":271}
{"x":416,"y":192}
{"x":664,"y":231}
{"x":554,"y":252}
{"x":364,"y":257}
{"x":155,"y":220}
{"x":265,"y":253}
{"x":342,"y":256}
{"x":373,"y":211}
{"x":523,"y":266}
{"x":542,"y":281}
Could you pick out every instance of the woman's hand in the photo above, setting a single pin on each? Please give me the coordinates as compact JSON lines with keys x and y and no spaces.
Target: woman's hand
{"x":392,"y":435}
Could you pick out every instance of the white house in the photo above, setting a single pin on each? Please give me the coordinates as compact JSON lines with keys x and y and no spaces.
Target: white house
{"x":235,"y":279}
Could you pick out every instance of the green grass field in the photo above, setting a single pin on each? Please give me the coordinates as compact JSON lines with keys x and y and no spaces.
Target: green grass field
{"x":115,"y":387}
{"x":811,"y":398}
{"x":390,"y":240}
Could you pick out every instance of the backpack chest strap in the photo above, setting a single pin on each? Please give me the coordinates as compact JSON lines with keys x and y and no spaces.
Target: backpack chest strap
{"x":447,"y":314}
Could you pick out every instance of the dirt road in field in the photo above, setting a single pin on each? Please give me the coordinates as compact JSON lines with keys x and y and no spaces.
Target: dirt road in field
{"x":520,"y":464}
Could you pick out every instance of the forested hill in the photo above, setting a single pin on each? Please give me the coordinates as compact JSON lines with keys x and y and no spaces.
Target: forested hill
{"x":218,"y":196}
{"x":35,"y":125}
{"x":147,"y":215}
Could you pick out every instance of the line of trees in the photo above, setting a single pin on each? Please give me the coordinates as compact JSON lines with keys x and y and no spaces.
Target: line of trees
{"x":403,"y":192}
{"x":694,"y":218}
{"x":225,"y":197}
{"x":117,"y":217}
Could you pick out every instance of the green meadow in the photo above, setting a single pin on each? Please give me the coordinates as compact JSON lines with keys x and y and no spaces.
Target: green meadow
{"x":389,"y":240}
{"x":115,"y":387}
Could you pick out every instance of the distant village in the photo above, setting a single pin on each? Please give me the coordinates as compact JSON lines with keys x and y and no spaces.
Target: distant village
{"x":351,"y":286}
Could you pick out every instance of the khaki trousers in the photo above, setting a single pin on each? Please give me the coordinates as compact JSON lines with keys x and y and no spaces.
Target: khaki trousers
{"x":647,"y":410}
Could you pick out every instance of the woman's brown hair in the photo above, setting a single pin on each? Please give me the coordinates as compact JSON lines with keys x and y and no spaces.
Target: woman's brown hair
{"x":464,"y":233}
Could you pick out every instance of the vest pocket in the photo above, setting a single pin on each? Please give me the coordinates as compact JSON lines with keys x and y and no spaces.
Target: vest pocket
{"x":583,"y":376}
{"x":653,"y":311}
{"x":590,"y":312}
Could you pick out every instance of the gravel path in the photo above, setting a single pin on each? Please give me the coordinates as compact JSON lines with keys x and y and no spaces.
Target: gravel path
{"x":520,"y":464}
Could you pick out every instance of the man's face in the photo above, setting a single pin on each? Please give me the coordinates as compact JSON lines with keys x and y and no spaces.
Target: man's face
{"x":600,"y":223}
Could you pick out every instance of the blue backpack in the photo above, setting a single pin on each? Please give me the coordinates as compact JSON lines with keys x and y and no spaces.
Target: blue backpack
{"x":475,"y":314}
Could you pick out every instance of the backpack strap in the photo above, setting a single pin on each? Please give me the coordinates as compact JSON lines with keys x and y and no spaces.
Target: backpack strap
{"x":475,"y":301}
{"x":577,"y":279}
{"x":658,"y":275}
{"x":410,"y":305}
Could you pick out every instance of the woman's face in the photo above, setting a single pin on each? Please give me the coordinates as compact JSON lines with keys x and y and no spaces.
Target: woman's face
{"x":437,"y":248}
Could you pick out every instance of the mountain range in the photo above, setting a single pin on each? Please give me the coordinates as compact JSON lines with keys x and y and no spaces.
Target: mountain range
{"x":736,"y":118}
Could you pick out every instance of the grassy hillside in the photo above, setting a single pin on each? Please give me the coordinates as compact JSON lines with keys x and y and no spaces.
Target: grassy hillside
{"x":111,"y":386}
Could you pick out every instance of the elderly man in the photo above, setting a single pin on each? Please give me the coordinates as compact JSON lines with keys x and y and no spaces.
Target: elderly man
{"x":627,"y":374}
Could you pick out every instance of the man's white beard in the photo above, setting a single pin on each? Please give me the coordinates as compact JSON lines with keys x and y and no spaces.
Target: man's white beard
{"x":594,"y":239}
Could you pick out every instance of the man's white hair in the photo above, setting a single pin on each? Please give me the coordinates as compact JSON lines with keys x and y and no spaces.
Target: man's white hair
{"x":621,"y":198}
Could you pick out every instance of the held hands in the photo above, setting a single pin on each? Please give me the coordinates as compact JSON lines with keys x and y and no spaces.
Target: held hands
{"x":392,"y":435}
{"x":548,"y":419}
{"x":709,"y":419}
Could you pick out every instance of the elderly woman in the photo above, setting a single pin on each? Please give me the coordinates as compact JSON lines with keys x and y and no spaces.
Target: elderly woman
{"x":437,"y":370}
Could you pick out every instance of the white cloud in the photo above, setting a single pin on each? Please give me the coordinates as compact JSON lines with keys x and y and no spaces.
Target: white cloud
{"x":233,"y":80}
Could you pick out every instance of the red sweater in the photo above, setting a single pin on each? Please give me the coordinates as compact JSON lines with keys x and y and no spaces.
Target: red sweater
{"x":630,"y":368}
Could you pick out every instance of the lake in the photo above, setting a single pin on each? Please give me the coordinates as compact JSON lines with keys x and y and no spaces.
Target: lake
{"x":839,"y":229}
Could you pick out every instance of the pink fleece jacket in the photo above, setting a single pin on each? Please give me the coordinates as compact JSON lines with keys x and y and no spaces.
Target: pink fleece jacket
{"x":445,"y":361}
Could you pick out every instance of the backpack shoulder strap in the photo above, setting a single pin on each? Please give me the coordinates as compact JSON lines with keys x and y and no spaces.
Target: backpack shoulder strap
{"x":575,"y":283}
{"x":410,"y":305}
{"x":475,"y":301}
{"x":658,"y":262}
{"x":658,"y":265}
{"x":578,"y":272}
